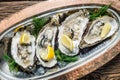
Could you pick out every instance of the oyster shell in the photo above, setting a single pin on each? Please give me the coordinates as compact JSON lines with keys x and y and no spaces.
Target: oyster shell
{"x":46,"y":38}
{"x":73,"y":27}
{"x":23,"y":54}
{"x":99,"y":30}
{"x":58,"y":18}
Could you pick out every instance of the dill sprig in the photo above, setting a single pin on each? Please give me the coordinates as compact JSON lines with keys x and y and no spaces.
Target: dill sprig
{"x":102,"y":11}
{"x":38,"y":24}
{"x":62,"y":57}
{"x":13,"y":66}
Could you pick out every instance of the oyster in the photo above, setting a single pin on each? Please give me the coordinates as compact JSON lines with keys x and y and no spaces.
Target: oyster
{"x":45,"y":46}
{"x":99,"y":30}
{"x":58,"y":18}
{"x":71,"y":32}
{"x":23,"y":49}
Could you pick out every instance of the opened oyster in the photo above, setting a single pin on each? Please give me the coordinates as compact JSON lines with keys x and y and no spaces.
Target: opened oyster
{"x":99,"y":30}
{"x":45,"y":46}
{"x":71,"y":32}
{"x":23,"y":49}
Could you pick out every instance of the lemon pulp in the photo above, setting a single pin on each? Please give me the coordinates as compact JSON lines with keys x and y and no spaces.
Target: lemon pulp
{"x":49,"y":54}
{"x":24,"y":39}
{"x":67,"y":42}
{"x":105,"y":30}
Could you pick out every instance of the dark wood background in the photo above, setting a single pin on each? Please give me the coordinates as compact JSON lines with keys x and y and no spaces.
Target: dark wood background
{"x":110,"y":71}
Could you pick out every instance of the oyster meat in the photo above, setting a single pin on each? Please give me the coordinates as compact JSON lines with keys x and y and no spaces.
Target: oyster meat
{"x":71,"y":32}
{"x":45,"y":46}
{"x":99,"y":30}
{"x":23,"y":49}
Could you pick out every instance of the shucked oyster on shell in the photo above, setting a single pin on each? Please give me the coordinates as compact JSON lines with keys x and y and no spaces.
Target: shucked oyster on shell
{"x":23,"y":49}
{"x":73,"y":28}
{"x":99,"y":30}
{"x":45,"y":46}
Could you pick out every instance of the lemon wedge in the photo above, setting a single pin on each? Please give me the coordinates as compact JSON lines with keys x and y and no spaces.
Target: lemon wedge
{"x":49,"y":54}
{"x":18,"y":28}
{"x":25,"y":38}
{"x":105,"y":30}
{"x":67,"y":42}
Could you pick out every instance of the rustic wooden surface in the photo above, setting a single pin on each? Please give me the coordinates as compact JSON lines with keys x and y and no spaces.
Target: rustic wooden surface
{"x":110,"y":71}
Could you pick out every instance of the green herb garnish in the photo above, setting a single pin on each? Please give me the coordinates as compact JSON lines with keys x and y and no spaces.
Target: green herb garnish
{"x":13,"y":66}
{"x":62,"y":57}
{"x":38,"y":24}
{"x":102,"y":11}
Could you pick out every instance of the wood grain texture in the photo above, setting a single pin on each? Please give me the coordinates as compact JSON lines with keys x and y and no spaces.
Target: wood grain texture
{"x":8,"y":8}
{"x":110,"y":71}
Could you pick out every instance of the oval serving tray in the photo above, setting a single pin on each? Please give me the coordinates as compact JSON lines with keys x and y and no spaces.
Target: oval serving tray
{"x":89,"y":62}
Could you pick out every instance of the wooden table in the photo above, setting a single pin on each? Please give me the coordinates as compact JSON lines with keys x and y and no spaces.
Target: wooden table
{"x":110,"y":71}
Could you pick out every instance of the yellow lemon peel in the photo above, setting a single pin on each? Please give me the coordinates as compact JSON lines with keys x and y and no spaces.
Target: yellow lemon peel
{"x":18,"y":28}
{"x":48,"y":54}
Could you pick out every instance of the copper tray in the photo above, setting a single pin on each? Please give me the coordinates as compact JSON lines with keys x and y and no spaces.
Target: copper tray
{"x":91,"y":62}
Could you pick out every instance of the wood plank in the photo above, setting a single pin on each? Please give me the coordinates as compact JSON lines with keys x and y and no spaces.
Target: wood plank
{"x":110,"y":71}
{"x":8,"y":8}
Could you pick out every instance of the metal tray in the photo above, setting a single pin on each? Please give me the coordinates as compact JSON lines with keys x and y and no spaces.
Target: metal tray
{"x":87,"y":62}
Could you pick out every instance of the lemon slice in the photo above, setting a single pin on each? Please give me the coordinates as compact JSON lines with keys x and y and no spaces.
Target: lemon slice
{"x":67,"y":42}
{"x":18,"y":28}
{"x":49,"y":54}
{"x":105,"y":30}
{"x":25,"y":38}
